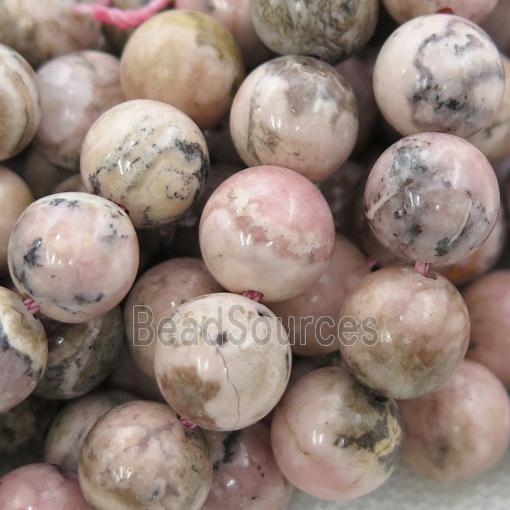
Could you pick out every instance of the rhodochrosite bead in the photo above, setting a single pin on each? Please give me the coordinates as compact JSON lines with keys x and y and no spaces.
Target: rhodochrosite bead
{"x":296,"y":112}
{"x":235,"y":15}
{"x":46,"y":28}
{"x":81,"y":356}
{"x":155,"y":297}
{"x":15,"y":196}
{"x":20,"y":112}
{"x":246,"y":476}
{"x":461,"y":430}
{"x":184,"y":58}
{"x":332,"y":438}
{"x":474,"y":10}
{"x":222,"y":361}
{"x":482,"y":259}
{"x":407,"y":332}
{"x":75,"y":90}
{"x":432,"y":197}
{"x":493,"y":139}
{"x":70,"y":428}
{"x":439,"y":73}
{"x":488,"y":302}
{"x":76,"y":254}
{"x":331,"y":30}
{"x":139,"y":456}
{"x":148,"y":157}
{"x":267,"y":229}
{"x":312,"y":317}
{"x":23,"y":351}
{"x":41,"y":487}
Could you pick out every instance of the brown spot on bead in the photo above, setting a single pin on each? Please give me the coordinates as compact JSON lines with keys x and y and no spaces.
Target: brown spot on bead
{"x":185,"y":389}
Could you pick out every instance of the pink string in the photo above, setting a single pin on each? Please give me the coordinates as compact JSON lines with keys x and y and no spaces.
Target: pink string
{"x":32,"y":305}
{"x":253,"y":295}
{"x":423,"y":268}
{"x":187,"y":424}
{"x":123,"y":19}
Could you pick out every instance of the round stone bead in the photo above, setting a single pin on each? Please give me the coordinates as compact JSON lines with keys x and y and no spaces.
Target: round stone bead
{"x":187,"y":59}
{"x":433,"y":198}
{"x":70,"y":428}
{"x":474,"y":10}
{"x":15,"y":196}
{"x":41,"y":487}
{"x":44,"y":29}
{"x":76,"y":254}
{"x":267,"y":229}
{"x":235,"y":15}
{"x":20,"y":113}
{"x":81,"y":356}
{"x":493,"y":139}
{"x":246,"y":476}
{"x":404,"y":334}
{"x":148,"y":157}
{"x":23,"y":351}
{"x":75,"y":90}
{"x":439,"y":73}
{"x":139,"y":456}
{"x":296,"y":112}
{"x":222,"y":361}
{"x":482,"y":259}
{"x":332,"y":438}
{"x":331,"y":30}
{"x":41,"y":176}
{"x":488,"y":302}
{"x":459,"y":431}
{"x":312,"y":317}
{"x":23,"y":432}
{"x":155,"y":297}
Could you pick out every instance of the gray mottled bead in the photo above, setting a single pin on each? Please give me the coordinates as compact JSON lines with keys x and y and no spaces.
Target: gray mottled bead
{"x":23,"y":351}
{"x":23,"y":430}
{"x":148,"y":157}
{"x":439,"y":73}
{"x":433,"y":198}
{"x":70,"y":428}
{"x":296,"y":112}
{"x":329,"y":29}
{"x":81,"y":356}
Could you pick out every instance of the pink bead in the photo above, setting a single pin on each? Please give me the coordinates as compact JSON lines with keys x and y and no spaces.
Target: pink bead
{"x":76,"y":254}
{"x":488,"y":302}
{"x":75,"y":90}
{"x":312,"y":317}
{"x":15,"y":196}
{"x":481,"y":260}
{"x":459,"y":431}
{"x":41,"y":487}
{"x":267,"y":229}
{"x":139,"y":456}
{"x":334,"y":440}
{"x":404,"y":334}
{"x":23,"y":351}
{"x":432,"y":197}
{"x":155,"y":297}
{"x":474,"y":10}
{"x":295,"y":112}
{"x":246,"y":476}
{"x":439,"y":73}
